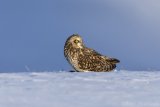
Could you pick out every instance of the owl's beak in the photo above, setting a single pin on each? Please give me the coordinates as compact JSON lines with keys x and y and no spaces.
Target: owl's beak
{"x":80,"y":45}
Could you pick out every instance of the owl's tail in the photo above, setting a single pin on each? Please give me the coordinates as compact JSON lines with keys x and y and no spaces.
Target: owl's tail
{"x":114,"y":60}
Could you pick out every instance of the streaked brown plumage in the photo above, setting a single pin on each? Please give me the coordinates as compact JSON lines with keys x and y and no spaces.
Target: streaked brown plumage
{"x":84,"y":59}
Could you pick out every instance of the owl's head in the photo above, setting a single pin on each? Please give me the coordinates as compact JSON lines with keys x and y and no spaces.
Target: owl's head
{"x":76,"y":41}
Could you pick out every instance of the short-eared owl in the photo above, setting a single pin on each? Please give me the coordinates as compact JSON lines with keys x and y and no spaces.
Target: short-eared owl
{"x":84,"y":59}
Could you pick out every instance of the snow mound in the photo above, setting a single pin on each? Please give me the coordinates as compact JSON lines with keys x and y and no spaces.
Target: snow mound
{"x":66,"y":89}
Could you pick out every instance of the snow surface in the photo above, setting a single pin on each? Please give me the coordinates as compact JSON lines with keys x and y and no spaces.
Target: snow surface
{"x":66,"y":89}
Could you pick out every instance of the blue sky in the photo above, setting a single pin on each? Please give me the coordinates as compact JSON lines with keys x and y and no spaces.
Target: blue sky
{"x":33,"y":32}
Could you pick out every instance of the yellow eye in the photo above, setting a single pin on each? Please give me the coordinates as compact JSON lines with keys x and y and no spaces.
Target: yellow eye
{"x":76,"y":41}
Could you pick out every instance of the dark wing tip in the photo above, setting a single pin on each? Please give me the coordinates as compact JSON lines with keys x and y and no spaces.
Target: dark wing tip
{"x":114,"y":60}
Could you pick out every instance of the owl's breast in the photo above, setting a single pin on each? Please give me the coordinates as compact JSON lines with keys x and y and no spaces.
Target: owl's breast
{"x":72,"y":56}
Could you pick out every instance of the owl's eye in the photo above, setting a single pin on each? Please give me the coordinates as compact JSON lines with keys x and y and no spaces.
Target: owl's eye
{"x":76,"y":41}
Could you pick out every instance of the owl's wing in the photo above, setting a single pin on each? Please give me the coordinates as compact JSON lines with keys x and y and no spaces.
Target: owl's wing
{"x":112,"y":60}
{"x":90,"y":51}
{"x":93,"y":61}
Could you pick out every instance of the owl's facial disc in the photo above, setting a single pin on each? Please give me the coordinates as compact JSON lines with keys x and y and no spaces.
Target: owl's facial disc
{"x":77,"y":42}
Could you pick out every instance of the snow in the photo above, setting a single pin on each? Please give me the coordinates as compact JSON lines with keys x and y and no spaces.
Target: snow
{"x":66,"y":89}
